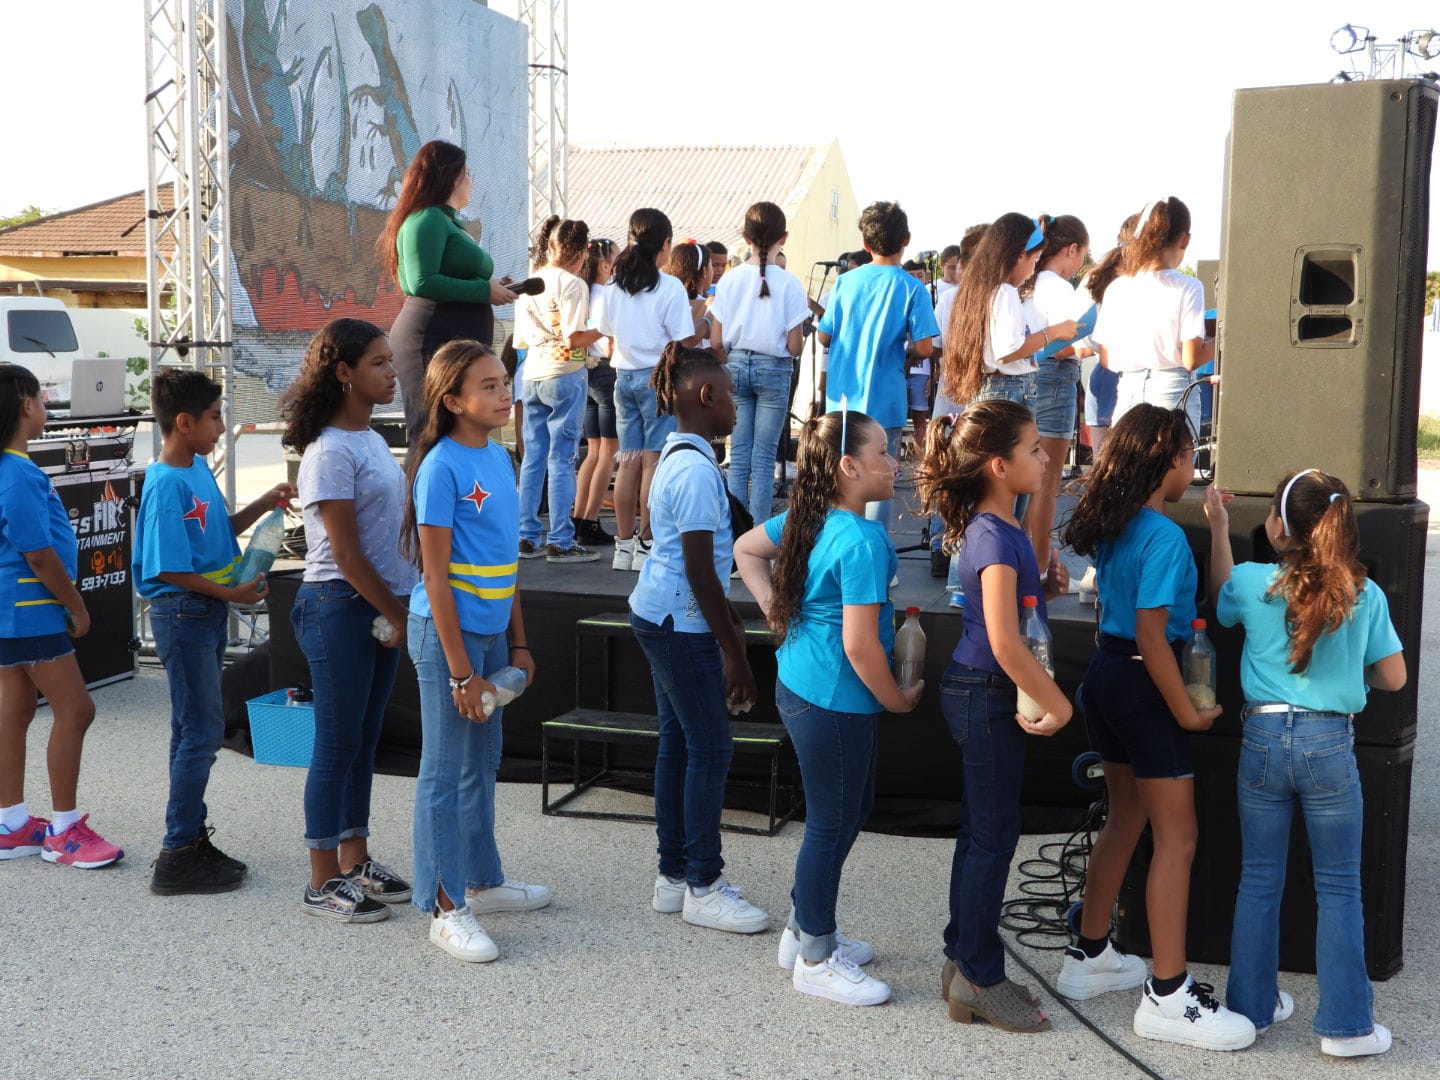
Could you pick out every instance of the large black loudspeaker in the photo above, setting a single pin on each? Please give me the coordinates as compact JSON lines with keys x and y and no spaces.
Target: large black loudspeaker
{"x":1322,"y":284}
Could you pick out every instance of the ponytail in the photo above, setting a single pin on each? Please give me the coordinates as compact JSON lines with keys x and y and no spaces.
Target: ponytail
{"x":1160,"y":225}
{"x":540,"y":252}
{"x":764,"y":227}
{"x":954,"y":476}
{"x":635,"y":269}
{"x":676,"y":364}
{"x":1104,"y":273}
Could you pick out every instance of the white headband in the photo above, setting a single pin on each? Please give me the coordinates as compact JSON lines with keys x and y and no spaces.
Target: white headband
{"x":1285,"y":498}
{"x":1144,"y":217}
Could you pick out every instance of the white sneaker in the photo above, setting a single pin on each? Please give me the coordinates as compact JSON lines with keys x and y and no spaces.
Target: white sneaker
{"x":1084,"y":976}
{"x":461,"y":936}
{"x":669,"y":898}
{"x":857,"y":952}
{"x":1284,"y":1008}
{"x":1193,"y":1017}
{"x":510,"y":896}
{"x":1377,"y":1042}
{"x":1087,"y":587}
{"x":624,"y":553}
{"x":640,"y":554}
{"x":723,"y":908}
{"x":839,"y":980}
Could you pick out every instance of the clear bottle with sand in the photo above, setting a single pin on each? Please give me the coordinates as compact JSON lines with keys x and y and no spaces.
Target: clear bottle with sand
{"x":1197,"y":661}
{"x":1037,"y":640}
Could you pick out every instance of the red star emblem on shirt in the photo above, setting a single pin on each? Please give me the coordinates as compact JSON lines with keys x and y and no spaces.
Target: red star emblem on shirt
{"x":196,"y":512}
{"x":478,"y":497}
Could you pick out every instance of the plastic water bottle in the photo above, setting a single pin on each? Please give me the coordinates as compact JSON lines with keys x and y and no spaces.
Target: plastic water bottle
{"x":509,"y":683}
{"x":1037,"y":640}
{"x":300,"y":695}
{"x":264,"y":545}
{"x":1198,"y":662}
{"x":910,"y":650}
{"x":381,"y":630}
{"x":952,"y":582}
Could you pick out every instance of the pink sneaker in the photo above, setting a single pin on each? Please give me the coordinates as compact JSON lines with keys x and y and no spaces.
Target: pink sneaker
{"x":26,"y":840}
{"x":80,"y":846}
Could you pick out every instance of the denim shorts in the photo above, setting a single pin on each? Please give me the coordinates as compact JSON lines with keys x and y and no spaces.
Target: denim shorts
{"x":1126,"y":715}
{"x":600,"y":404}
{"x":1017,"y":388}
{"x":20,"y":651}
{"x":638,"y":425}
{"x":918,"y":386}
{"x":1055,"y":396}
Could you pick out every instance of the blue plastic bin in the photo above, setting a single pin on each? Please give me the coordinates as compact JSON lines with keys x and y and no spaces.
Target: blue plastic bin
{"x":281,"y":733}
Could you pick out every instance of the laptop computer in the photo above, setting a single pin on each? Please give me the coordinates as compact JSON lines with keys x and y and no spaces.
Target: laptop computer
{"x":97,"y":387}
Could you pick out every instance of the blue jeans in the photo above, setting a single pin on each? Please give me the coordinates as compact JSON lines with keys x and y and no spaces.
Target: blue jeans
{"x":1306,"y":758}
{"x":762,"y":406}
{"x":836,"y":751}
{"x":455,"y":791}
{"x":695,"y":748}
{"x":1157,"y":386}
{"x":352,"y":675}
{"x":1020,"y":389}
{"x":880,"y":511}
{"x":190,"y":635}
{"x":554,"y":410}
{"x":979,"y":707}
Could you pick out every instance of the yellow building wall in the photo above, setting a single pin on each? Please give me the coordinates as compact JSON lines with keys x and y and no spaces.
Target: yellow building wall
{"x":72,"y":268}
{"x":816,"y":233}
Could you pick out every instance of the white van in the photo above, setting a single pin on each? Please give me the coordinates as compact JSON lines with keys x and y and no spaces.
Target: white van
{"x":36,"y":332}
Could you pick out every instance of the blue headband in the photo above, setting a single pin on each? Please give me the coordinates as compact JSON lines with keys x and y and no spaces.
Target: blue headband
{"x":1036,"y":238}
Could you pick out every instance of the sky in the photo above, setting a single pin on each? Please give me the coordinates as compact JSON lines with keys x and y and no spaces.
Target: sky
{"x":959,"y":111}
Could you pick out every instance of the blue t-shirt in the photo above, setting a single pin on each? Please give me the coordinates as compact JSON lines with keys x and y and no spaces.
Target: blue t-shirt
{"x":183,"y":528}
{"x":686,"y":495}
{"x":990,"y":541}
{"x":872,"y":312}
{"x":1334,"y":681}
{"x":32,"y":518}
{"x":852,"y":562}
{"x":471,"y":491}
{"x":1148,"y":566}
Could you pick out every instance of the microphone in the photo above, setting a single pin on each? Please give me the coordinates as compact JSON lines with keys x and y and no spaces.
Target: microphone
{"x":832,"y":263}
{"x":529,"y":287}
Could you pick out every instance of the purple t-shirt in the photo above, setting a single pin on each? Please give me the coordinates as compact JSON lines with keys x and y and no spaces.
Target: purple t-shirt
{"x":989,"y":541}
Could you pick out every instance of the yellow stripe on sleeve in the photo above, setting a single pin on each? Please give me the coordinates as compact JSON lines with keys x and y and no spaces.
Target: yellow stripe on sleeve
{"x":484,"y":594}
{"x":472,"y":570}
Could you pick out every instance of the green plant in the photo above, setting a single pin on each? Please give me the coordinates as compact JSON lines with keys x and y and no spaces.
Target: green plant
{"x":137,"y":371}
{"x":1428,"y":441}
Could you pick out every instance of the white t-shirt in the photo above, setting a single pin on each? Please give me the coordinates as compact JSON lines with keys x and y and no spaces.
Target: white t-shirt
{"x":944,"y":308}
{"x":549,"y":319}
{"x":941,"y":288}
{"x":750,"y":322}
{"x":643,"y":324}
{"x":600,"y":349}
{"x":1145,"y":319}
{"x":1006,"y":332}
{"x":1053,"y":300}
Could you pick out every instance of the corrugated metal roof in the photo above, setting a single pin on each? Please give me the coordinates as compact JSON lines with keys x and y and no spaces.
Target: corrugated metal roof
{"x":113,"y":227}
{"x":704,"y":190}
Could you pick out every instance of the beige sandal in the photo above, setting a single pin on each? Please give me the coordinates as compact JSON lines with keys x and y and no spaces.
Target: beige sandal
{"x":948,"y":972}
{"x":1002,"y":1005}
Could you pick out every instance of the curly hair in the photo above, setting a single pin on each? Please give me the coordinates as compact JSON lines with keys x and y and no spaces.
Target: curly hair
{"x":1321,"y":577}
{"x":676,"y":365}
{"x":312,"y":399}
{"x":817,"y":486}
{"x":952,"y":479}
{"x":1001,"y":246}
{"x":689,"y":262}
{"x":569,"y":240}
{"x":540,"y":249}
{"x":1132,"y":464}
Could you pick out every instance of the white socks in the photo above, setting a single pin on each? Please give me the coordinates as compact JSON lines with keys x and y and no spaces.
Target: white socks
{"x":12,"y":817}
{"x":61,"y":820}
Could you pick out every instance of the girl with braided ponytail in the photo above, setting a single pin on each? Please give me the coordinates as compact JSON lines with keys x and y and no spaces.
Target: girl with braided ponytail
{"x":1317,"y":634}
{"x":827,"y":599}
{"x":758,"y":312}
{"x":695,"y":643}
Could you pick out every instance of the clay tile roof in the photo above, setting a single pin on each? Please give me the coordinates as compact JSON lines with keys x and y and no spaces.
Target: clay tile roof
{"x":113,"y":227}
{"x":704,"y":190}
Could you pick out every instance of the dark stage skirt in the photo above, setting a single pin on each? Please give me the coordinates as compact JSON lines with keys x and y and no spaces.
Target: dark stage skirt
{"x":421,"y":328}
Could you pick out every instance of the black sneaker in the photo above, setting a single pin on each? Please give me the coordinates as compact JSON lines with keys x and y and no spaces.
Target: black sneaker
{"x":342,"y":899}
{"x":209,"y":851}
{"x":529,"y":551}
{"x":379,"y":882}
{"x":939,"y":564}
{"x":190,"y":869}
{"x":554,"y":553}
{"x":590,"y":531}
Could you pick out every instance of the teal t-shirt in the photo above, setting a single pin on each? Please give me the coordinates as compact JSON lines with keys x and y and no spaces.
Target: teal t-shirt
{"x":1334,"y":681}
{"x":471,"y":491}
{"x":183,"y":528}
{"x":31,"y":518}
{"x":852,"y":562}
{"x":1149,"y":565}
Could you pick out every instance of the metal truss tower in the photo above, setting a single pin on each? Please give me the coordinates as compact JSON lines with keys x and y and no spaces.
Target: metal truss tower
{"x":548,"y":21}
{"x":187,"y":242}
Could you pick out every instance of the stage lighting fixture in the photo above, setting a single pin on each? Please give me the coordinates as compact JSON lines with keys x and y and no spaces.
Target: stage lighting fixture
{"x":1423,"y":43}
{"x":1349,"y":39}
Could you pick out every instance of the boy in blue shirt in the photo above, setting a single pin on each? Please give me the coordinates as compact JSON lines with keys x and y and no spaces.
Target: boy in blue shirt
{"x":185,"y":561}
{"x":874,"y":311}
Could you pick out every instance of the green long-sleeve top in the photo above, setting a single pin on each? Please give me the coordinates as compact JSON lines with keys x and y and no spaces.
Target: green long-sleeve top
{"x":439,"y":260}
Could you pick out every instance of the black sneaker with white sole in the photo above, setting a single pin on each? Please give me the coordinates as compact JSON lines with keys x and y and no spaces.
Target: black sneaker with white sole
{"x":379,"y":882}
{"x":554,"y":553}
{"x":530,"y":550}
{"x":343,"y":900}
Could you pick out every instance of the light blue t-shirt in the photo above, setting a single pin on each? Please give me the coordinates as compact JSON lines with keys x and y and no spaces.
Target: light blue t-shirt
{"x":687,"y":494}
{"x":873,"y":311}
{"x":471,"y":491}
{"x":1148,"y":566}
{"x":355,"y":466}
{"x":32,"y":518}
{"x":1335,"y":679}
{"x":852,"y":562}
{"x":183,"y":528}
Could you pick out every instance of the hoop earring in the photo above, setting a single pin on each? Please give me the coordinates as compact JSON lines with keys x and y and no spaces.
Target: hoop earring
{"x":347,"y":388}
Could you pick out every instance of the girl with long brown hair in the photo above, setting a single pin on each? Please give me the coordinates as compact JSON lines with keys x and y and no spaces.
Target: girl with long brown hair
{"x":462,"y":521}
{"x":827,"y":600}
{"x":448,"y":279}
{"x":1317,"y":635}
